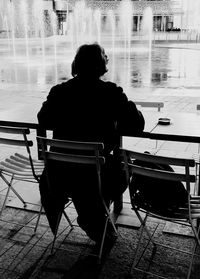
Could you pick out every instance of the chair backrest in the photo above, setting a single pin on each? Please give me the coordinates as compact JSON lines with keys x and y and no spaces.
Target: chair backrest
{"x":72,"y":152}
{"x":158,"y":105}
{"x":128,"y":158}
{"x":11,"y":140}
{"x":94,"y":147}
{"x":17,"y":136}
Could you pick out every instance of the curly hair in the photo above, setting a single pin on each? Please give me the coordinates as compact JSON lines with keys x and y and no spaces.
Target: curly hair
{"x":90,"y":60}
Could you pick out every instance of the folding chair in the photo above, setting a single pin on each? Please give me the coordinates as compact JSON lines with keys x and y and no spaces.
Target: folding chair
{"x":187,"y":215}
{"x":19,"y":167}
{"x":74,"y":150}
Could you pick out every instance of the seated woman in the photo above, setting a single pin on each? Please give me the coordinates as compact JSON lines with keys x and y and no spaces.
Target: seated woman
{"x":86,"y":108}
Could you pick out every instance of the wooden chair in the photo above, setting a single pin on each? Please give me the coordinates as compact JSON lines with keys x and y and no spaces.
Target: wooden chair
{"x":19,"y":167}
{"x":75,"y":150}
{"x":157,"y":105}
{"x":187,"y":215}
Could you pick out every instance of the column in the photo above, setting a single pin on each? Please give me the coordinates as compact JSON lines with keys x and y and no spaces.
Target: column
{"x":138,"y":23}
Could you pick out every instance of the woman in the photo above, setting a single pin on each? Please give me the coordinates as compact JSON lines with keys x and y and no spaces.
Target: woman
{"x":86,"y":108}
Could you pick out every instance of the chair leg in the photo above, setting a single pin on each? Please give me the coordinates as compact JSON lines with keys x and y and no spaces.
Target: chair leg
{"x":196,"y":231}
{"x":57,"y":226}
{"x":10,"y":187}
{"x":197,"y":242}
{"x":68,"y":220}
{"x":5,"y":200}
{"x":191,"y":260}
{"x":105,"y":228}
{"x":38,"y":219}
{"x":56,"y":231}
{"x":150,"y":239}
{"x":103,"y":239}
{"x":109,"y":217}
{"x":143,"y":223}
{"x":137,"y":248}
{"x":7,"y":193}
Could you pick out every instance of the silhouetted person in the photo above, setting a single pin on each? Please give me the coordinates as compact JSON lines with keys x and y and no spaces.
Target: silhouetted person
{"x":85,"y":108}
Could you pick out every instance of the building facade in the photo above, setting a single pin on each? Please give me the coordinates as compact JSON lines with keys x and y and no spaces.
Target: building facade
{"x":168,"y":15}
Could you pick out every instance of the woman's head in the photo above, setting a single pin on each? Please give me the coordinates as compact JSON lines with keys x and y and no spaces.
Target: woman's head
{"x":90,"y":60}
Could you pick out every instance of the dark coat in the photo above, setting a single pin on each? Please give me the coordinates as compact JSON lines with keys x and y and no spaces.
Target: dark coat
{"x":90,"y":111}
{"x":86,"y":110}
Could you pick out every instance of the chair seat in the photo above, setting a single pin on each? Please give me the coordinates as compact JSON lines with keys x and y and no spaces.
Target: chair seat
{"x":19,"y":166}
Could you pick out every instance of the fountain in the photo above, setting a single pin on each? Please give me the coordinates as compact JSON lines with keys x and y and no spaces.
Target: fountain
{"x":147,"y":27}
{"x":34,"y":56}
{"x":33,"y":37}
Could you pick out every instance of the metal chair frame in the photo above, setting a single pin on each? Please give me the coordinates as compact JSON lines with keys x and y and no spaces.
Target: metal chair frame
{"x":19,"y":167}
{"x":188,"y":215}
{"x":93,"y":159}
{"x":146,"y":104}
